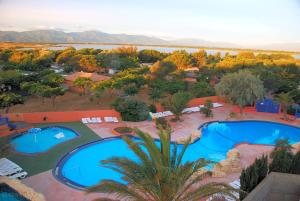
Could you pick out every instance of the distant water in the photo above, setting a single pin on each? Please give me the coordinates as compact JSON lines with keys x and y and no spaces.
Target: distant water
{"x":296,"y":56}
{"x":161,"y":49}
{"x":158,"y":48}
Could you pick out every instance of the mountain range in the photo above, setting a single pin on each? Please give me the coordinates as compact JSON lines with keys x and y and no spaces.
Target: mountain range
{"x":56,"y":36}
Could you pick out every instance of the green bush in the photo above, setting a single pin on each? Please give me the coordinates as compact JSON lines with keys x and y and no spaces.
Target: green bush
{"x":131,"y":89}
{"x":253,"y":175}
{"x":124,"y":130}
{"x":207,"y":109}
{"x":131,"y":109}
{"x":152,"y":108}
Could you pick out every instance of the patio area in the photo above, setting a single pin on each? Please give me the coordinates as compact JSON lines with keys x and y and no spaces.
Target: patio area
{"x":43,"y":181}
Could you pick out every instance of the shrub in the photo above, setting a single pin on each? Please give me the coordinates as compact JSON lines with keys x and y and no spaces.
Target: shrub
{"x":131,"y":109}
{"x":207,"y":109}
{"x":282,"y":157}
{"x":152,"y":108}
{"x":131,"y":89}
{"x":124,"y":130}
{"x":253,"y":175}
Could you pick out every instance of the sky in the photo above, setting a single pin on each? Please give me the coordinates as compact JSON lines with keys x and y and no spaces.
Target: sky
{"x":235,"y":21}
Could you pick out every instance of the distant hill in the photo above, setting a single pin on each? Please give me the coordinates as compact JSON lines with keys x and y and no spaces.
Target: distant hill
{"x":53,"y":36}
{"x":56,"y":36}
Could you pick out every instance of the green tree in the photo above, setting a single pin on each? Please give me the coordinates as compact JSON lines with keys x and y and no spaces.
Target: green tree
{"x":9,"y":99}
{"x":131,"y":89}
{"x":177,"y":102}
{"x":131,"y":109}
{"x":83,"y":82}
{"x":88,"y":63}
{"x":295,"y":169}
{"x":253,"y":175}
{"x":282,"y":157}
{"x":11,"y":78}
{"x":149,"y":56}
{"x":161,"y":69}
{"x":180,"y":58}
{"x":202,"y":89}
{"x":241,"y":88}
{"x":200,"y":57}
{"x":52,"y":92}
{"x":207,"y":109}
{"x":43,"y":91}
{"x":52,"y":79}
{"x":285,"y":100}
{"x":160,"y":174}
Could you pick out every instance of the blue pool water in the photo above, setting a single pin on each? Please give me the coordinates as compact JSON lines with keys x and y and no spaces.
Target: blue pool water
{"x":9,"y":194}
{"x":82,"y":167}
{"x":40,"y":140}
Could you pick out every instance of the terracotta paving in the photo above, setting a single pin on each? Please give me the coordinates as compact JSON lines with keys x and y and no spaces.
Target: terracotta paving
{"x":53,"y":190}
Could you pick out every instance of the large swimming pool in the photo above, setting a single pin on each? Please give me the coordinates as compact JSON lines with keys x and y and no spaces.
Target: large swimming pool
{"x":39,"y":140}
{"x":81,"y":168}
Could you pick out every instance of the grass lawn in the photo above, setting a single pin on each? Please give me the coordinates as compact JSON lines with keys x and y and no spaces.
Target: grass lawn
{"x":46,"y":161}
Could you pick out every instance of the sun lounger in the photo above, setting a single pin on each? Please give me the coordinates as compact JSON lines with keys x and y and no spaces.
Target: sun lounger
{"x":109,"y":119}
{"x":89,"y":120}
{"x":84,"y":120}
{"x":115,"y":119}
{"x":215,"y":105}
{"x":94,"y":120}
{"x":8,"y":167}
{"x":20,"y":175}
{"x":98,"y":120}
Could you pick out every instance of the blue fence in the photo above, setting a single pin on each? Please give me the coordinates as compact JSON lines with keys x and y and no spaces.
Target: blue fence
{"x":3,"y":121}
{"x":267,"y":105}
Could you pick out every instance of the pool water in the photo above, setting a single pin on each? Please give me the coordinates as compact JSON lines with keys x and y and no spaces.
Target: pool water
{"x":81,"y":168}
{"x":9,"y":194}
{"x":41,"y":140}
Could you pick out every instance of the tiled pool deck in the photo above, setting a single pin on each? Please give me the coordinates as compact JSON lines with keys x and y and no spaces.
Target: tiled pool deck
{"x":53,"y":190}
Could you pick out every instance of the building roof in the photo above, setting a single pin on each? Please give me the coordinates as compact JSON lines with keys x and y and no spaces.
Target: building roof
{"x":94,"y":76}
{"x":276,"y":187}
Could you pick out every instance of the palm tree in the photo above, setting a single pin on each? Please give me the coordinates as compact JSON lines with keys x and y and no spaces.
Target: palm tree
{"x":160,"y":174}
{"x":285,"y":100}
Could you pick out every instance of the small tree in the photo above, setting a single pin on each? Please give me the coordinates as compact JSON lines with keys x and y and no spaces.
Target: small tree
{"x":282,"y":157}
{"x":177,"y":102}
{"x":52,"y":92}
{"x":9,"y":99}
{"x":241,"y":88}
{"x":207,"y":109}
{"x":131,"y":89}
{"x":295,"y":169}
{"x":253,"y":175}
{"x":131,"y":110}
{"x":83,"y":82}
{"x":285,"y":100}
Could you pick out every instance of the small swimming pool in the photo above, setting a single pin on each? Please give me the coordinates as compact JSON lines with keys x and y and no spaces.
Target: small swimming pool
{"x":40,"y":140}
{"x":81,"y":167}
